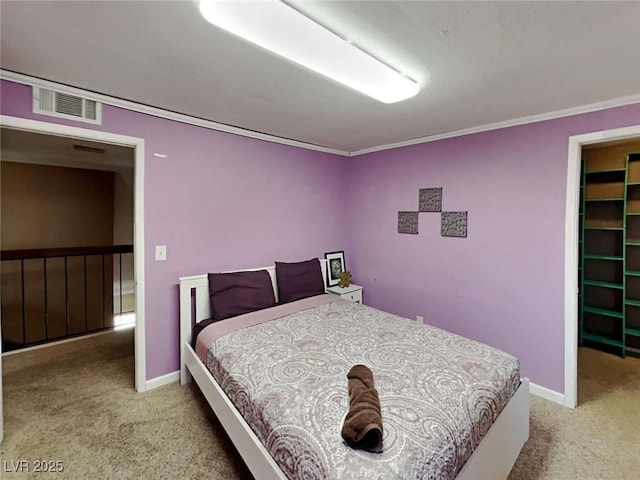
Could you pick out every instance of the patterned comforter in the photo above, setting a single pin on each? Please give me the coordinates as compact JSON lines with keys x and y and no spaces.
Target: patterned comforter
{"x":439,"y":392}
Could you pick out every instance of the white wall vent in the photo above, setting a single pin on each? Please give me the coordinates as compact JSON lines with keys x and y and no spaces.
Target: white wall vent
{"x":64,"y":105}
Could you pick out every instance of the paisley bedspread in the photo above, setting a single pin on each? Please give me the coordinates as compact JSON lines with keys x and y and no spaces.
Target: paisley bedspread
{"x":439,"y":392}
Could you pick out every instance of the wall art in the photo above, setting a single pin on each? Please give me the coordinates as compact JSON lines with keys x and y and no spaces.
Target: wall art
{"x":408,"y":222}
{"x":430,"y":200}
{"x":454,"y":224}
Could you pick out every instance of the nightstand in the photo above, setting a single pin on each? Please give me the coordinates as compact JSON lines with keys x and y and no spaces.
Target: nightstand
{"x":353,"y":293}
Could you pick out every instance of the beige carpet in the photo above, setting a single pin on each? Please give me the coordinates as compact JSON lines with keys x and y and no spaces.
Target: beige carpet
{"x":75,"y":403}
{"x":600,"y":439}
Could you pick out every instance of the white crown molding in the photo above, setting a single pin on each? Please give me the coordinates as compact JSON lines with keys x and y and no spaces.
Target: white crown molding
{"x":158,"y":112}
{"x":593,"y":107}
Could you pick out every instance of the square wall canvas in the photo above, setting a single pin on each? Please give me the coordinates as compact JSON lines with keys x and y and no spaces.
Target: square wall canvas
{"x":408,"y":222}
{"x":430,"y":200}
{"x":454,"y":224}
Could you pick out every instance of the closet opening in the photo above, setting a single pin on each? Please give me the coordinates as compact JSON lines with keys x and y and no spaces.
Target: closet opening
{"x":608,"y":267}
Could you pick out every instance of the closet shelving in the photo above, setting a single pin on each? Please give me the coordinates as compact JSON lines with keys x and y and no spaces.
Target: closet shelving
{"x":632,"y":248}
{"x":609,"y":270}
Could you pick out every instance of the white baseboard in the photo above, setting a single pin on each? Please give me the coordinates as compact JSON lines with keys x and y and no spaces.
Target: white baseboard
{"x":547,"y":394}
{"x":163,"y":380}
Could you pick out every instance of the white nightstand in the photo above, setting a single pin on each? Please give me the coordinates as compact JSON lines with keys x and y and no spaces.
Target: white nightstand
{"x":353,"y":293}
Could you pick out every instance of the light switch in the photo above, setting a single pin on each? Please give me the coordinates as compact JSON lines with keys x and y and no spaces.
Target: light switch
{"x":161,"y":252}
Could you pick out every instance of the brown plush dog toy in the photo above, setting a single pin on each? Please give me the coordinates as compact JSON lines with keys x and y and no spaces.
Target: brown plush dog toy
{"x":345,"y":280}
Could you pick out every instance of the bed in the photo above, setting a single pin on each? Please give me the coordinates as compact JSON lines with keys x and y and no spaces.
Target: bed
{"x":313,"y":449}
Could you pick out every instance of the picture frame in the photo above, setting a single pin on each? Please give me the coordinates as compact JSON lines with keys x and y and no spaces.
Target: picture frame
{"x":335,"y":267}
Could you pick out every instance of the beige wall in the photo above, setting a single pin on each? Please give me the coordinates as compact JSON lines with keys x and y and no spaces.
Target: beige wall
{"x":123,"y":235}
{"x":123,"y":207}
{"x":52,"y":207}
{"x":49,"y":207}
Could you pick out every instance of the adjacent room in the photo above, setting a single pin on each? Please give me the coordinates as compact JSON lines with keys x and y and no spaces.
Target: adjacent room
{"x":67,"y":238}
{"x":308,"y":239}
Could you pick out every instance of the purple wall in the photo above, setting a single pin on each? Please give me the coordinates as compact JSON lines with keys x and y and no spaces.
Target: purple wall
{"x":504,"y":284}
{"x":219,"y":201}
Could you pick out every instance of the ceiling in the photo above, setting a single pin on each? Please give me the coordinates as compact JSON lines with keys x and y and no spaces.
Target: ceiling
{"x":28,"y":147}
{"x":478,"y":63}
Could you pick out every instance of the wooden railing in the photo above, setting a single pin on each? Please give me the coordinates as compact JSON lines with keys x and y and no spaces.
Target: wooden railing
{"x":55,"y":293}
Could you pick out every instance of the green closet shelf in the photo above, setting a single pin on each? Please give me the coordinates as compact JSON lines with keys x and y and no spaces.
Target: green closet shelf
{"x":602,"y":257}
{"x":632,"y":331}
{"x":618,"y":210}
{"x":608,"y":170}
{"x":598,"y":283}
{"x":602,"y":311}
{"x":600,"y":339}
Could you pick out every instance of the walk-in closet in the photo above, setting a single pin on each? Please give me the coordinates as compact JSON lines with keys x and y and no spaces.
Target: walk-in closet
{"x":609,"y":266}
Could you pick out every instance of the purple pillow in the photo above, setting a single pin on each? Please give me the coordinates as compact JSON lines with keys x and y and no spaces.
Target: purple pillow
{"x":233,"y":294}
{"x":299,"y":280}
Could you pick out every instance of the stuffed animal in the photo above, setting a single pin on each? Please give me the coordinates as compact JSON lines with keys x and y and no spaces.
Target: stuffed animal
{"x":345,"y":280}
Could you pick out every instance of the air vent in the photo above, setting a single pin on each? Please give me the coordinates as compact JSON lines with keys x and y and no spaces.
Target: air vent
{"x":64,"y":105}
{"x":84,"y":148}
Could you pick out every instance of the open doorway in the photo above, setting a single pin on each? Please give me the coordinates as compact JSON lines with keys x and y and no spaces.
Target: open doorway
{"x":609,"y":267}
{"x":137,"y":144}
{"x":585,"y":240}
{"x":67,"y":238}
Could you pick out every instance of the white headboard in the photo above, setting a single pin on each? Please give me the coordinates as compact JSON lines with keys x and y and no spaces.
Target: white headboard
{"x":195,"y":306}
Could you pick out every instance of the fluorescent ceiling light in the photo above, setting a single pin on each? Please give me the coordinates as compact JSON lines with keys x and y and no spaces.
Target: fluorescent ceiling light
{"x":281,"y":29}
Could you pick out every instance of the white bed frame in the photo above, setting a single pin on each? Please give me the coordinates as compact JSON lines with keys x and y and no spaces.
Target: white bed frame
{"x":492,"y":459}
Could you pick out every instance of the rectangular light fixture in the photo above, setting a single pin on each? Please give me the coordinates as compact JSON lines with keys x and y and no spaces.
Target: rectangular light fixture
{"x":279,"y":28}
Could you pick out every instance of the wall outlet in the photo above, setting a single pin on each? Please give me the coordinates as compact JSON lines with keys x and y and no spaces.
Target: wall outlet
{"x":419,"y":319}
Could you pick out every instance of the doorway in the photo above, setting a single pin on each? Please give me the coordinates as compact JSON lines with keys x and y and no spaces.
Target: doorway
{"x":609,"y":268}
{"x":137,"y":144}
{"x":67,"y":238}
{"x":572,"y":225}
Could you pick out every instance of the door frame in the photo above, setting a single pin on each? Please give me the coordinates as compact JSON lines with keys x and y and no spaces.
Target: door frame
{"x":17,"y":123}
{"x":571,"y":236}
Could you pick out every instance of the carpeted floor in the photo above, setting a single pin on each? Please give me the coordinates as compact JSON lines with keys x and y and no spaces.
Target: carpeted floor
{"x":600,"y":439}
{"x":75,"y":403}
